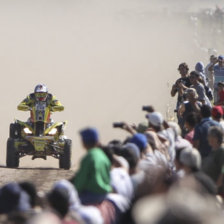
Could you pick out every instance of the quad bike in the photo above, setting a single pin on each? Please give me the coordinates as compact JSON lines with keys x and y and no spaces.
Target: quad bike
{"x":38,"y":137}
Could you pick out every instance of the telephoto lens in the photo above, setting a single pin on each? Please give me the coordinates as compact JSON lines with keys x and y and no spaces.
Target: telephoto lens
{"x":149,"y":109}
{"x":118,"y":124}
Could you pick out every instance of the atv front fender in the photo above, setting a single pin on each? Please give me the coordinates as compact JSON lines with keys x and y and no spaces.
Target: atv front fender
{"x":55,"y":125}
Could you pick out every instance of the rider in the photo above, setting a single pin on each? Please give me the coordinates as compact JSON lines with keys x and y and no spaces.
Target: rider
{"x":41,"y":95}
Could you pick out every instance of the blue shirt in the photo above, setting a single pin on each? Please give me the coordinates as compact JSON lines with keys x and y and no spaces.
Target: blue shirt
{"x":201,"y":134}
{"x":218,"y":73}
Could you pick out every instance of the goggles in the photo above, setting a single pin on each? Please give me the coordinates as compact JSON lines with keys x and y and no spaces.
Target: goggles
{"x":40,"y":94}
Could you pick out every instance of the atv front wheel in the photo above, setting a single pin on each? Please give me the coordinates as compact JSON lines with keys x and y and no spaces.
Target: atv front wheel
{"x":65,"y":158}
{"x":12,"y":156}
{"x":14,"y":130}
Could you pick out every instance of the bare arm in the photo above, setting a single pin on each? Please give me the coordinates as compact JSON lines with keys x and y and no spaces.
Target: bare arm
{"x":196,"y":107}
{"x":173,"y":90}
{"x":129,"y":129}
{"x":211,"y":67}
{"x":181,"y":110}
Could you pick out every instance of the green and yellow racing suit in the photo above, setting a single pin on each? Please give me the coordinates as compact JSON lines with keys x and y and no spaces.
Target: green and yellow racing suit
{"x":52,"y":103}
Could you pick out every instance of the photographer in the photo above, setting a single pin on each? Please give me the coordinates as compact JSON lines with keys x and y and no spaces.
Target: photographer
{"x":181,"y":84}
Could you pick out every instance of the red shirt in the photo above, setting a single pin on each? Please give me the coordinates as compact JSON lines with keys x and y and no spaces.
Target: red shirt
{"x":221,"y":97}
{"x":189,"y":136}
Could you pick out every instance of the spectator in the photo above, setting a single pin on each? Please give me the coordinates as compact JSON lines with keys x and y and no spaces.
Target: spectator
{"x":210,"y":73}
{"x":46,"y":217}
{"x":131,"y":153}
{"x":188,"y":165}
{"x":217,"y":115}
{"x":190,"y":123}
{"x":158,"y":155}
{"x":194,"y":78}
{"x":89,"y":214}
{"x":151,"y":156}
{"x":181,"y":84}
{"x":200,"y":140}
{"x":179,"y":141}
{"x":156,"y":124}
{"x":179,"y":206}
{"x":142,"y":127}
{"x":121,"y":182}
{"x":214,"y":164}
{"x":30,"y":189}
{"x":218,"y":68}
{"x":178,"y":165}
{"x":220,"y":99}
{"x":92,"y":180}
{"x":13,"y":199}
{"x":141,"y":142}
{"x":58,"y":199}
{"x":190,"y":160}
{"x":158,"y":180}
{"x":192,"y":105}
{"x":200,"y":69}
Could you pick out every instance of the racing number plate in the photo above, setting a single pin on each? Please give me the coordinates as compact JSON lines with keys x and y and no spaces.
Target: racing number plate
{"x":39,"y":145}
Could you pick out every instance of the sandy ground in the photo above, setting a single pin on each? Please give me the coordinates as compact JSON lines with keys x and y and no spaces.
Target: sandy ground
{"x":103,"y":59}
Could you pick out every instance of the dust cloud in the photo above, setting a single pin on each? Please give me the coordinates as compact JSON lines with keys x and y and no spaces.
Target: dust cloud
{"x":103,"y":59}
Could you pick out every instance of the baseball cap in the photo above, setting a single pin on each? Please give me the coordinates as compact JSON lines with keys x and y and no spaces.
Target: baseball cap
{"x":89,"y":135}
{"x":140,"y":140}
{"x":142,"y":127}
{"x":221,"y":57}
{"x":217,"y":111}
{"x":155,"y":118}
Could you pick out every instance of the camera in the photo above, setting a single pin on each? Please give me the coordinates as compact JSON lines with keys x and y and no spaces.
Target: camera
{"x":148,"y":109}
{"x":179,"y":81}
{"x":118,"y":124}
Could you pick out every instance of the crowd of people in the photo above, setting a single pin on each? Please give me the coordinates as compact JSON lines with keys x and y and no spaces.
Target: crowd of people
{"x":163,"y":172}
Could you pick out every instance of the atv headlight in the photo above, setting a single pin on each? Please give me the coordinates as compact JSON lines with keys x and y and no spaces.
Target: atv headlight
{"x":27,"y":131}
{"x":53,"y":131}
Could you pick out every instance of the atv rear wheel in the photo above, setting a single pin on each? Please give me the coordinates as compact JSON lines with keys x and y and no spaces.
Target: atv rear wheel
{"x":65,"y":158}
{"x":12,"y":156}
{"x":14,"y":130}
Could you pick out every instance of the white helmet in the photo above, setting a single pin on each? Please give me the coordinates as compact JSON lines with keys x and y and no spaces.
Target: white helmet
{"x":41,"y":92}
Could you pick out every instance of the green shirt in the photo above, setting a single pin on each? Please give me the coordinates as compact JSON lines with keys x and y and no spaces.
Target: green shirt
{"x":213,"y":164}
{"x":94,"y":173}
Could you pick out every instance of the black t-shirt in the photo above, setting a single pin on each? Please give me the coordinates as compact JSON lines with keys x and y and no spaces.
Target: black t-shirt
{"x":187,"y":83}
